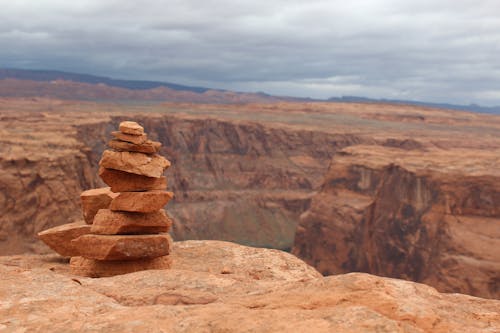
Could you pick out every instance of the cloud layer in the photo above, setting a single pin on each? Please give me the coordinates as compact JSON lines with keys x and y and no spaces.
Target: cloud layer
{"x":439,"y":51}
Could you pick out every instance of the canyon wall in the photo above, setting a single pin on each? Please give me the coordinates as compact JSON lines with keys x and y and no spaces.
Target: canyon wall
{"x":401,"y":192}
{"x":429,"y":216}
{"x":237,"y":181}
{"x":233,"y":180}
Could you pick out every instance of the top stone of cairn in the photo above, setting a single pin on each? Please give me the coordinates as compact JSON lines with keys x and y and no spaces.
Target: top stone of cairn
{"x":131,"y":127}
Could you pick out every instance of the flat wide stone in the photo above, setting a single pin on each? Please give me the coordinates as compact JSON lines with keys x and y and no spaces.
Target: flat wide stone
{"x":108,"y":222}
{"x":148,"y":147}
{"x":138,"y":163}
{"x":122,"y":247}
{"x":135,"y":139}
{"x":144,"y":202}
{"x":59,"y":238}
{"x":131,"y":127}
{"x":97,"y":268}
{"x":121,"y":181}
{"x":95,"y":199}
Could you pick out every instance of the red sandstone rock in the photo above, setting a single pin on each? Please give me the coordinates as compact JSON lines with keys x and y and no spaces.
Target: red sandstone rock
{"x":107,"y":222}
{"x":122,"y":247}
{"x":93,"y":200}
{"x":131,"y":127}
{"x":59,"y":238}
{"x":121,"y":181}
{"x":97,"y":268}
{"x":129,"y":138}
{"x":148,"y":147}
{"x":144,"y":202}
{"x":249,"y":179}
{"x":428,"y":217}
{"x":138,"y":163}
{"x":267,"y":291}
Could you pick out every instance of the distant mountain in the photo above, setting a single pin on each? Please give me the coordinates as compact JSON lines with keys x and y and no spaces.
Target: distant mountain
{"x":63,"y":85}
{"x":471,"y":107}
{"x":47,"y":76}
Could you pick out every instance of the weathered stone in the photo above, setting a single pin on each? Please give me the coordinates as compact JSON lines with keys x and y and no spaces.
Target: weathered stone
{"x":267,"y":291}
{"x":93,"y":200}
{"x":122,"y":247}
{"x":144,"y":202}
{"x":138,"y":163}
{"x":59,"y":238}
{"x":131,"y":127}
{"x":148,"y":147}
{"x":98,"y":268}
{"x":121,"y":181}
{"x":135,"y":139}
{"x":108,"y":222}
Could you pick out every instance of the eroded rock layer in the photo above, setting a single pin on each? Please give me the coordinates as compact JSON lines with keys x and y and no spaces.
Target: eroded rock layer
{"x":432,"y":218}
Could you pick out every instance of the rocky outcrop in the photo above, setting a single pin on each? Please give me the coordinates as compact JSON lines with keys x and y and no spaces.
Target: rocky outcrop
{"x":246,"y":173}
{"x":431,"y":218}
{"x":234,"y":180}
{"x":223,"y":287}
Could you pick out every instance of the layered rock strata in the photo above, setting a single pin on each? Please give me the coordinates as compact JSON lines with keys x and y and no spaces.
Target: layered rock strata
{"x":128,"y":224}
{"x":430,"y":218}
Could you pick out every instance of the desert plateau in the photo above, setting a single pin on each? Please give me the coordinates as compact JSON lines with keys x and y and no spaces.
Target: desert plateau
{"x":398,"y":191}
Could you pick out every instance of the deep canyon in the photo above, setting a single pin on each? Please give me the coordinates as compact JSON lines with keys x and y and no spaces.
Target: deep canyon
{"x":397,"y":191}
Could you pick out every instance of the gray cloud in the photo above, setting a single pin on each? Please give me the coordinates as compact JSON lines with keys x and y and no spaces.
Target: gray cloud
{"x":442,"y":51}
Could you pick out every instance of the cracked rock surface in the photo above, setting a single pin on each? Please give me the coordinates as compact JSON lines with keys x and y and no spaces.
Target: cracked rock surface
{"x":216,"y":286}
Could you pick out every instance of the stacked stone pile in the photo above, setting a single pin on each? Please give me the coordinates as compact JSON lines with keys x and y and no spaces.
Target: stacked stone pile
{"x":126,"y":222}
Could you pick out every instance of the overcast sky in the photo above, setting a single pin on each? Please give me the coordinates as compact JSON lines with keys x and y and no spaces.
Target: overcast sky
{"x":430,"y":50}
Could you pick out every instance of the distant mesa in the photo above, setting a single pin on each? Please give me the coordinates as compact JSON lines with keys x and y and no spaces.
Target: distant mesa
{"x":73,"y":86}
{"x":58,"y":76}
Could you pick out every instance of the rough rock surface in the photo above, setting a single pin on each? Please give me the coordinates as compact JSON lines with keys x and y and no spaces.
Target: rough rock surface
{"x":98,"y":268}
{"x":144,"y":202}
{"x":430,"y":218}
{"x":108,"y":222}
{"x":121,"y":181}
{"x":93,"y":200}
{"x":131,"y":127}
{"x":59,"y":238}
{"x":222,"y":287}
{"x":122,"y":247}
{"x":133,"y":139}
{"x":138,"y":163}
{"x":148,"y":147}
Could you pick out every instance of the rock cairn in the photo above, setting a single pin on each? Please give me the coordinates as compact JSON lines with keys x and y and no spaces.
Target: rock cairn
{"x":126,"y":224}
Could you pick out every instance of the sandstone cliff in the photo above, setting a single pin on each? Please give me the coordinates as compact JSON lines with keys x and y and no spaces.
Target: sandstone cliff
{"x":222,"y":287}
{"x":246,"y":173}
{"x":429,"y":217}
{"x":234,"y":180}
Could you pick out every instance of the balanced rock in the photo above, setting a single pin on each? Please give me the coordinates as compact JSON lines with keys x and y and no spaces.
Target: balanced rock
{"x":121,"y":181}
{"x":147,"y":147}
{"x":138,"y":163}
{"x":144,"y":202}
{"x":59,"y":238}
{"x":108,"y":222}
{"x":97,"y":268}
{"x":131,"y":127}
{"x":95,"y":199}
{"x":135,"y":139}
{"x":122,"y":247}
